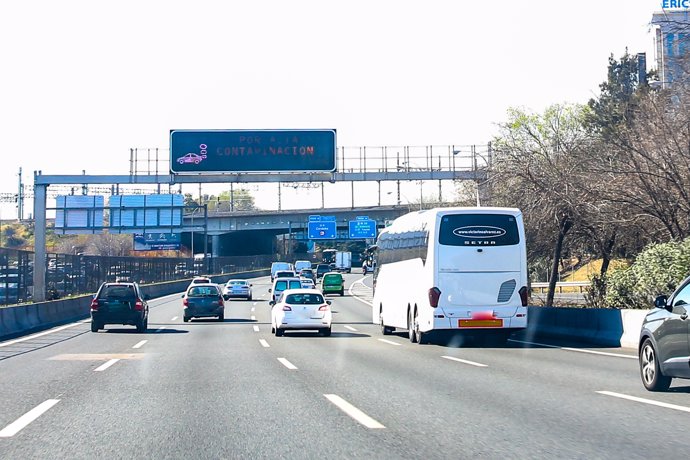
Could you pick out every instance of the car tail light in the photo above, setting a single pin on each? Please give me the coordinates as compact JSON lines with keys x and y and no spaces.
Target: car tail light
{"x":523,"y":295}
{"x":434,"y":296}
{"x":287,"y":308}
{"x":94,"y":304}
{"x":185,"y":302}
{"x":139,"y":305}
{"x":220,"y":301}
{"x":323,"y":307}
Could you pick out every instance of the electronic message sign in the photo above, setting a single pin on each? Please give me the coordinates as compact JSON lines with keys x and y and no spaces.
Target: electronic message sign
{"x":256,"y":151}
{"x":362,"y":228}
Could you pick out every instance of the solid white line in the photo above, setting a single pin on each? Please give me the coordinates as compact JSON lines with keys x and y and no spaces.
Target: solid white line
{"x":140,"y":344}
{"x":287,"y":364}
{"x":103,"y":367}
{"x":388,"y":341}
{"x":645,"y":401}
{"x":353,"y":412}
{"x":464,"y":361}
{"x":19,"y":424}
{"x":264,"y":343}
{"x":579,"y":350}
{"x":161,"y":328}
{"x":57,"y":329}
{"x":350,"y":328}
{"x":253,"y":318}
{"x":174,"y":318}
{"x":256,"y":328}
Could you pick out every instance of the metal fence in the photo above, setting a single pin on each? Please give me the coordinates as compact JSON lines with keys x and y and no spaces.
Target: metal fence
{"x":73,"y":274}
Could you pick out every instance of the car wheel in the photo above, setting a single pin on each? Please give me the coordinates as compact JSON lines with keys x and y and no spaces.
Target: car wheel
{"x":226,"y":297}
{"x":386,"y":330}
{"x":249,"y":298}
{"x":410,"y":328}
{"x":652,"y":378}
{"x":326,"y":332}
{"x":221,"y":317}
{"x":141,"y":326}
{"x":185,"y":319}
{"x":342,"y":292}
{"x":95,"y":326}
{"x":279,"y":332}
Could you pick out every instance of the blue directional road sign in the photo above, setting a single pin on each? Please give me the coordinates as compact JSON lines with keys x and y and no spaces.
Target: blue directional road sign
{"x":362,"y":228}
{"x":323,"y":230}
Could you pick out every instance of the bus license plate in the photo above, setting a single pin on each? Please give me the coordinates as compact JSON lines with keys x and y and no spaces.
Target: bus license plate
{"x":480,"y":323}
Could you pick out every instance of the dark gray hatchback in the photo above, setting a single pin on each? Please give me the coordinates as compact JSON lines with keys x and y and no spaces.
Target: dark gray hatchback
{"x":203,"y":301}
{"x":664,"y":346}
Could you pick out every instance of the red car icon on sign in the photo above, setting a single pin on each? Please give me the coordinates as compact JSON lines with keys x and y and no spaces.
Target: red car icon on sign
{"x":190,"y":158}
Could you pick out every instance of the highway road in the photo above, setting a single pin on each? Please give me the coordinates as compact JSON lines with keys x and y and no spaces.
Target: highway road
{"x":232,"y":390}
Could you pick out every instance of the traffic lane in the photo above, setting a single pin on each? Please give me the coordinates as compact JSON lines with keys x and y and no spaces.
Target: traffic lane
{"x":212,"y":393}
{"x":552,"y":403}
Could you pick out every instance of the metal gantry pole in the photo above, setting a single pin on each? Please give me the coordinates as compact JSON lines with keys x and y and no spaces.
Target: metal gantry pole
{"x":40,"y":194}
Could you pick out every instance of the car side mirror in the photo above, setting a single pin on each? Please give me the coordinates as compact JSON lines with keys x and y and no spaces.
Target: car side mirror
{"x":329,"y":302}
{"x":251,"y":285}
{"x":660,"y":301}
{"x":270,"y":290}
{"x":182,"y":296}
{"x":272,"y":302}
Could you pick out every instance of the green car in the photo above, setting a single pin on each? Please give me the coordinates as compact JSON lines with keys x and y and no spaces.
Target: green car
{"x":332,"y":283}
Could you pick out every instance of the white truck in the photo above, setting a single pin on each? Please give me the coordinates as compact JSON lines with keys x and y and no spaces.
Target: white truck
{"x":343,"y":261}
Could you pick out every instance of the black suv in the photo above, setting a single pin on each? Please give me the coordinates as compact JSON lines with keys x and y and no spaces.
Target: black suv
{"x":119,"y":303}
{"x":664,"y":348}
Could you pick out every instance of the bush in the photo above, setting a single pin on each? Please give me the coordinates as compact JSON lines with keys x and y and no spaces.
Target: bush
{"x":658,"y":269}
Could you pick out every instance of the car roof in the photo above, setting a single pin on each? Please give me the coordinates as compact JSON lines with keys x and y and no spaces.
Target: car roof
{"x":236,"y":280}
{"x":301,"y":291}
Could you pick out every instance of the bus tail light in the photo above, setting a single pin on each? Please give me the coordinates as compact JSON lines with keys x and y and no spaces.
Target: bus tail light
{"x":434,"y":296}
{"x":523,"y":295}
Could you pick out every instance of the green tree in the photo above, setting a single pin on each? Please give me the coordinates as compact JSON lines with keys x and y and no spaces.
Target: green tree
{"x":614,"y":108}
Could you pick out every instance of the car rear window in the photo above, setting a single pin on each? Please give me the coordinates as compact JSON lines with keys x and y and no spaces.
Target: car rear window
{"x":202,"y":291}
{"x":296,"y":284}
{"x":236,"y":283}
{"x":281,"y":285}
{"x":478,"y":230}
{"x":118,"y":293}
{"x":304,"y":299}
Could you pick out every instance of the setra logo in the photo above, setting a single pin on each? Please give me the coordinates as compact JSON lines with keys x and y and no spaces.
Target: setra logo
{"x":479,"y":232}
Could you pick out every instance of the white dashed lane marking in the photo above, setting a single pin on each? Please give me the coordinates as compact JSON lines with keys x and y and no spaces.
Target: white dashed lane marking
{"x":23,"y":421}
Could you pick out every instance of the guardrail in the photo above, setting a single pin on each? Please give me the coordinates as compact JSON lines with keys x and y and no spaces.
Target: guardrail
{"x":572,"y":286}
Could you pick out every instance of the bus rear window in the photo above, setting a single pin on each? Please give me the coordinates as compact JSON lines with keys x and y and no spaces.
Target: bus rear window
{"x":478,"y":230}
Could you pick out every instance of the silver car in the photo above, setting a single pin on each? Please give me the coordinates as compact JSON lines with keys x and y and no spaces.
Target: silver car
{"x":237,"y":289}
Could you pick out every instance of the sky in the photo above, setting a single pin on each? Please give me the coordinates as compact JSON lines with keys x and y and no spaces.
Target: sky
{"x":83,"y":82}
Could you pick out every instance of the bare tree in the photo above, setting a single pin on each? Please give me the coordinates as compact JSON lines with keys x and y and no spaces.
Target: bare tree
{"x":538,"y":166}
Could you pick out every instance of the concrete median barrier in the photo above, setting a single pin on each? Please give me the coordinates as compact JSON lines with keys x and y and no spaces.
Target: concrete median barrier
{"x":19,"y":320}
{"x":595,"y":326}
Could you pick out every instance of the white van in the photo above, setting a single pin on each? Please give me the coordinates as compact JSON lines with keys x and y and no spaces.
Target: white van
{"x":279,"y":267}
{"x":301,"y":265}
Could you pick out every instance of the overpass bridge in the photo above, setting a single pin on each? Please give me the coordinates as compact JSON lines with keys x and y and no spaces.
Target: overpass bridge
{"x":238,"y":232}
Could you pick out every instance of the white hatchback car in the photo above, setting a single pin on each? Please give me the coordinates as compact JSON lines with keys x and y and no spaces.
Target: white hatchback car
{"x":301,"y":309}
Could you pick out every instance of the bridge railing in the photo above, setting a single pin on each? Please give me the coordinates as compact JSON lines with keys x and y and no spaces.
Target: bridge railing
{"x":376,"y":159}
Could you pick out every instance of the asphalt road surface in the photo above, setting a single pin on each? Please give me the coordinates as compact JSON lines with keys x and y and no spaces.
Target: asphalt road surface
{"x":232,"y":390}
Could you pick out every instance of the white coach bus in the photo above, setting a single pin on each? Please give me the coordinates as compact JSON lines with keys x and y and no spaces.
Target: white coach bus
{"x":450,"y":270}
